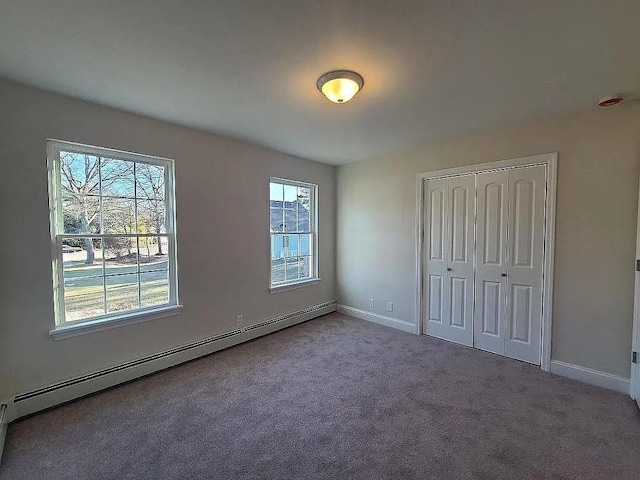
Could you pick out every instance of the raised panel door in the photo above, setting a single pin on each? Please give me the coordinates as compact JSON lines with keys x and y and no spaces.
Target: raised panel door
{"x":527,"y":190}
{"x":435,"y":289}
{"x":449,"y":241}
{"x":491,"y":261}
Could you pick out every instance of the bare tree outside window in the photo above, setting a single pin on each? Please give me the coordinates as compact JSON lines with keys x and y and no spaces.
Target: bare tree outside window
{"x":151,"y":210}
{"x":82,"y":178}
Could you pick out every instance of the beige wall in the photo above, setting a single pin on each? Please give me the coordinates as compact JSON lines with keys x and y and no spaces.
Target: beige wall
{"x":223,"y":242}
{"x":598,"y":166}
{"x":222,"y":246}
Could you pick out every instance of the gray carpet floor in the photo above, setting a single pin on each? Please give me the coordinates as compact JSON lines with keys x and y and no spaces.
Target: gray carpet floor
{"x":337,"y":398}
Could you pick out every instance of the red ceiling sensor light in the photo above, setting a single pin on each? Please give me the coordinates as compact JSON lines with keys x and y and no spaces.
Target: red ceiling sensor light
{"x":610,"y":101}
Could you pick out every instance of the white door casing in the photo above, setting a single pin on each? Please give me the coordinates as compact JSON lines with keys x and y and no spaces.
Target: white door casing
{"x":635,"y":342}
{"x":450,"y":218}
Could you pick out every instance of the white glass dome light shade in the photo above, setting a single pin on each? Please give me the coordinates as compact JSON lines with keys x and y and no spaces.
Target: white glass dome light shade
{"x":340,"y":86}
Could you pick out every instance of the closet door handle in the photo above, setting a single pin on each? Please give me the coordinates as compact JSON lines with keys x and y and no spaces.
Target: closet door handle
{"x":503,"y":274}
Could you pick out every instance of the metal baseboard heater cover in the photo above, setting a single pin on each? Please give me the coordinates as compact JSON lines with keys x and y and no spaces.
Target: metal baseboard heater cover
{"x":166,"y":353}
{"x":289,"y":315}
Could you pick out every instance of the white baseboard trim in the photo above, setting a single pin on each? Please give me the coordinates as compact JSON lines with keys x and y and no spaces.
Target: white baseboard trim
{"x":588,"y":375}
{"x":4,"y":423}
{"x":61,"y":392}
{"x":379,"y":319}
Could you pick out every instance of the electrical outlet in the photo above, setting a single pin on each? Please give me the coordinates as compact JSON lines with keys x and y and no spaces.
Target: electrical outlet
{"x":371,"y":303}
{"x":239,"y":320}
{"x":389,"y":306}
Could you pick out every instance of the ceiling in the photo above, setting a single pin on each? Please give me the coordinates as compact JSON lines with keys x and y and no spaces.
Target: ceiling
{"x":433,"y":69}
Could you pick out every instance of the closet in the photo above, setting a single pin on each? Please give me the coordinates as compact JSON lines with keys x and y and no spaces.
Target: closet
{"x":483,"y":254}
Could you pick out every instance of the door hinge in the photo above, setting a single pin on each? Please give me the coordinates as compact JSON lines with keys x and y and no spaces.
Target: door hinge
{"x":634,"y":357}
{"x":638,"y":265}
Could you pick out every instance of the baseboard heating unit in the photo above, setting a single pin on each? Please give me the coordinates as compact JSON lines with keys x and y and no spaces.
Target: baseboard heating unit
{"x":60,"y":392}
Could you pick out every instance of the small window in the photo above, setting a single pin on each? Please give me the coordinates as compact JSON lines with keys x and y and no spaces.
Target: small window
{"x":112,"y":231}
{"x":293,"y":230}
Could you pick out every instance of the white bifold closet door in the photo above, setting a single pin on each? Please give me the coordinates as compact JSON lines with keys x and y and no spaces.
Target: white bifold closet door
{"x":509,"y":257}
{"x":450,"y":220}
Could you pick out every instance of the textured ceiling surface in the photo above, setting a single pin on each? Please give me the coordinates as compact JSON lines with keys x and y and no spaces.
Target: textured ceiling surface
{"x":433,"y":69}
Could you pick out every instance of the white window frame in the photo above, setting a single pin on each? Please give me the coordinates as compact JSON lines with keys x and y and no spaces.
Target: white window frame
{"x":63,"y":328}
{"x":313,"y":230}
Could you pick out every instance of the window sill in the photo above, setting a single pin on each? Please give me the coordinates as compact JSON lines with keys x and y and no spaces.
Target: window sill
{"x":83,"y":328}
{"x":293,"y":286}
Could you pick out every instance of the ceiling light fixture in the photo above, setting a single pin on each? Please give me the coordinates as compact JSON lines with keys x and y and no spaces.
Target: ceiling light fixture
{"x":610,"y":101}
{"x":340,"y":86}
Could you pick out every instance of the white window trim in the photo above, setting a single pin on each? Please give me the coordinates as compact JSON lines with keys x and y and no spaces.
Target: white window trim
{"x":63,"y":329}
{"x":294,"y":285}
{"x":283,"y":287}
{"x":97,"y":325}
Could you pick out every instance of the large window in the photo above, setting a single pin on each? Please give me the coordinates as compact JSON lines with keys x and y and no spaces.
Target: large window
{"x":293,"y":229}
{"x":113,"y":233}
